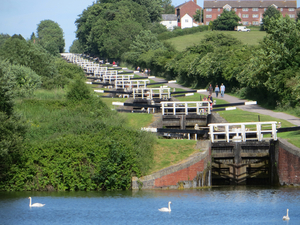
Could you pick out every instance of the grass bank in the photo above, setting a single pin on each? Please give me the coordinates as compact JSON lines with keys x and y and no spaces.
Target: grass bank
{"x":247,"y":38}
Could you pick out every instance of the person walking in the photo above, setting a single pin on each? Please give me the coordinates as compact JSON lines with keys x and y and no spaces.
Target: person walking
{"x":210,"y":89}
{"x":222,"y":90}
{"x":217,"y":89}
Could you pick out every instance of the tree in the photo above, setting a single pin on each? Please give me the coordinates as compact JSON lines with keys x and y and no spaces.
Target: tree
{"x":142,"y":44}
{"x":198,"y":17}
{"x":298,"y":16}
{"x":33,"y":37}
{"x":228,"y":20}
{"x":76,"y":47}
{"x":3,"y":38}
{"x":167,"y":7}
{"x":107,"y":29}
{"x":271,"y":12}
{"x":51,"y":36}
{"x":153,"y":7}
{"x":12,"y":128}
{"x":79,"y":91}
{"x":18,"y":51}
{"x":274,"y":67}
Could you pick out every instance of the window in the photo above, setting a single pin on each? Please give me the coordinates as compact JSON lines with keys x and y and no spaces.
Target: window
{"x":208,"y":16}
{"x":292,"y":15}
{"x":218,"y":9}
{"x":208,"y":10}
{"x":219,"y":15}
{"x":235,"y":9}
{"x":186,"y":20}
{"x":255,"y":9}
{"x":291,"y":9}
{"x":281,"y":9}
{"x":245,"y":15}
{"x":227,"y":7}
{"x":245,"y":9}
{"x":245,"y":23}
{"x":265,"y":9}
{"x":207,"y":23}
{"x":255,"y":16}
{"x":255,"y":23}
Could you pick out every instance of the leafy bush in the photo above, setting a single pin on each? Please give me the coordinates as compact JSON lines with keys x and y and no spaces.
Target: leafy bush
{"x":82,"y":146}
{"x":66,"y":73}
{"x":79,"y":90}
{"x":19,"y":51}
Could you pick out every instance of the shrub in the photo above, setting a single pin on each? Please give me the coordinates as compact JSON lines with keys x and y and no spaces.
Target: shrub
{"x":79,"y":91}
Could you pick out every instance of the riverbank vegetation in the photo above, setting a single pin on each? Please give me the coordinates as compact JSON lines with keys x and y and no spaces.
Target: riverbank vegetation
{"x":55,"y":133}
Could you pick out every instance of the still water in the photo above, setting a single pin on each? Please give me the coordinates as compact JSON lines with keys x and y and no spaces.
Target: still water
{"x":228,"y":205}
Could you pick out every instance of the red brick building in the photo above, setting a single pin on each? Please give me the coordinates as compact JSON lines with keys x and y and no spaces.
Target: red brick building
{"x":189,"y":8}
{"x":250,"y":11}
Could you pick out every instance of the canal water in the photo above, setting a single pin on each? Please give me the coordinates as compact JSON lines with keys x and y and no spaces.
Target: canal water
{"x":226,"y":205}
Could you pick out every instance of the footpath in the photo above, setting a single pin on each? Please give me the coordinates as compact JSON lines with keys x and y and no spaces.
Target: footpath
{"x":231,"y":99}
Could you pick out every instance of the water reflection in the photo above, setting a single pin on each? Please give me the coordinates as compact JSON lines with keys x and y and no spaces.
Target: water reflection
{"x":220,"y":205}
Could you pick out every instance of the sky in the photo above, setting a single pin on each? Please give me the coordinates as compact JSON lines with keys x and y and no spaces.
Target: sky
{"x":23,"y":16}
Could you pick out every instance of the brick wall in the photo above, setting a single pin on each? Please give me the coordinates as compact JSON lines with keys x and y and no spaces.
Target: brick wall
{"x":189,"y":8}
{"x":248,"y":15}
{"x":190,"y":173}
{"x":186,"y":174}
{"x":288,"y":163}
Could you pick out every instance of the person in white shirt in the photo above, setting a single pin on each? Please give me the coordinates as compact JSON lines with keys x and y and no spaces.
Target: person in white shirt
{"x":222,"y":90}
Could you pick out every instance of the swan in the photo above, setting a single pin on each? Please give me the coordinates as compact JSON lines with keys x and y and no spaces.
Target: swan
{"x":287,"y":215}
{"x":35,"y":204}
{"x":166,"y":209}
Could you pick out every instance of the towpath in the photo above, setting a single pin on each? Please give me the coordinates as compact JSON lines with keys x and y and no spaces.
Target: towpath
{"x":250,"y":108}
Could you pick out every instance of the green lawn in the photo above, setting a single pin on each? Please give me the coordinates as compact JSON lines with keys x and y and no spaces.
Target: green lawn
{"x":239,"y":115}
{"x":168,"y":152}
{"x":247,"y":38}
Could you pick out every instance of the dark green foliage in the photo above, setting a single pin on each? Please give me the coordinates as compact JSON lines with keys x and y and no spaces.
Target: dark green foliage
{"x":3,"y":38}
{"x":82,"y":146}
{"x":157,"y":28}
{"x":66,"y":73}
{"x":51,"y":36}
{"x":107,"y":29}
{"x":79,"y":91}
{"x":221,"y":39}
{"x":27,"y":81}
{"x":76,"y":47}
{"x":274,"y":67}
{"x":152,"y":7}
{"x":203,"y":64}
{"x":12,"y":132}
{"x":18,"y":51}
{"x":271,"y":12}
{"x":228,"y":20}
{"x":7,"y":86}
{"x":298,"y":16}
{"x":12,"y":128}
{"x":143,"y":42}
{"x":167,"y":7}
{"x":198,"y":17}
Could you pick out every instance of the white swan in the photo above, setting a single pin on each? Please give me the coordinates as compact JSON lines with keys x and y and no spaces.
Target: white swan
{"x":287,"y":215}
{"x":166,"y":209}
{"x":35,"y":204}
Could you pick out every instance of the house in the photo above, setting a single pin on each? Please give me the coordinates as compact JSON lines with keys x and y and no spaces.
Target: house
{"x":250,"y":11}
{"x":169,"y":20}
{"x":187,"y":22}
{"x":185,"y":12}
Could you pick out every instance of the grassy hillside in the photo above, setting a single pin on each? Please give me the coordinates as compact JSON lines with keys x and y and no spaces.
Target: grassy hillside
{"x":248,"y":38}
